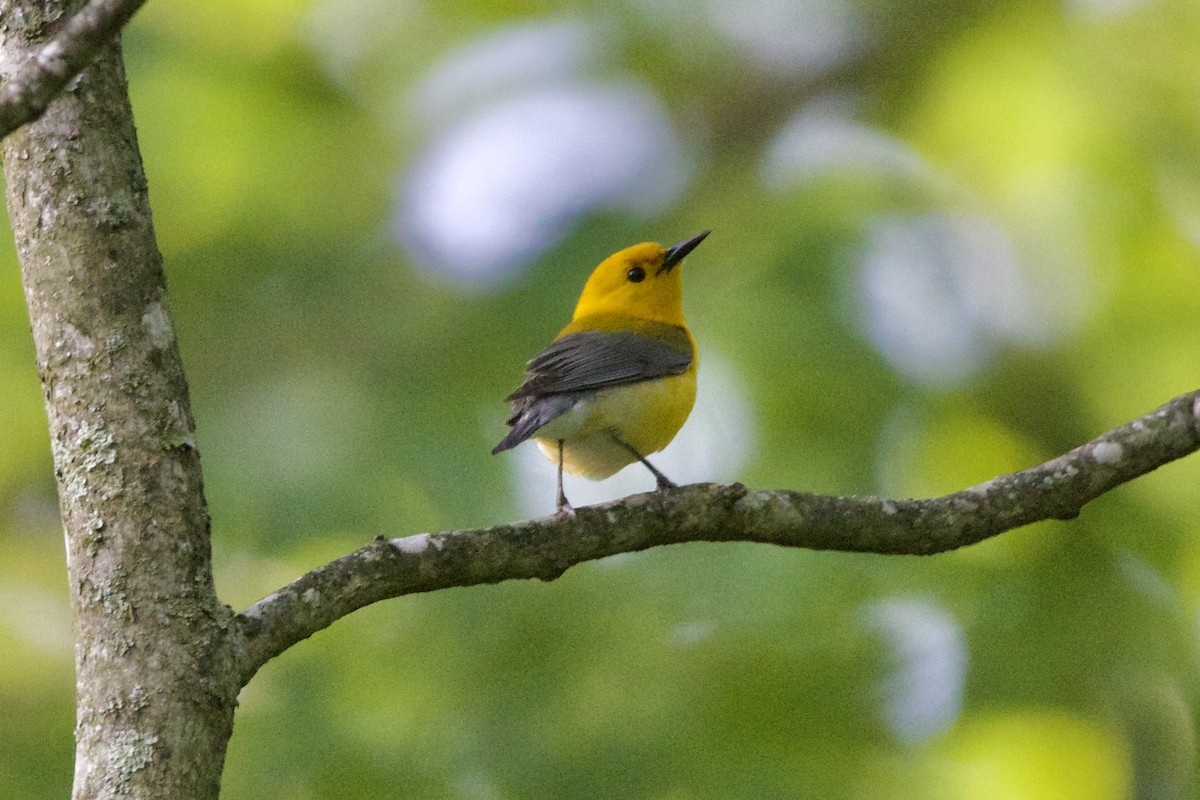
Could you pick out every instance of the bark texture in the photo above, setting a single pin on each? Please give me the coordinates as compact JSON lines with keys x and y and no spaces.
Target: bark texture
{"x":154,"y":695}
{"x":30,"y":87}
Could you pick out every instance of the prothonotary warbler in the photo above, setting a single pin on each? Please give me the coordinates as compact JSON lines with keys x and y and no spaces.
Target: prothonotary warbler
{"x":620,"y":379}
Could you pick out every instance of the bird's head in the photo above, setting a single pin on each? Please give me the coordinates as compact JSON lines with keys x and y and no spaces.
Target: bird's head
{"x":642,"y":281}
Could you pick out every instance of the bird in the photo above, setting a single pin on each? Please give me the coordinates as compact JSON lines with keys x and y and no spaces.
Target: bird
{"x":618,"y":382}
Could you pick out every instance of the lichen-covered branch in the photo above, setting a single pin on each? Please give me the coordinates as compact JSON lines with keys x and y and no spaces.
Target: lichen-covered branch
{"x":545,"y":548}
{"x":69,"y":47}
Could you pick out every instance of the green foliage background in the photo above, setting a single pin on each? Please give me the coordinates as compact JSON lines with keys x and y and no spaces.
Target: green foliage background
{"x":341,"y":393}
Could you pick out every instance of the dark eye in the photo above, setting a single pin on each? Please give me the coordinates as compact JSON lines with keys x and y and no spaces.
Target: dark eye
{"x":636,"y":275}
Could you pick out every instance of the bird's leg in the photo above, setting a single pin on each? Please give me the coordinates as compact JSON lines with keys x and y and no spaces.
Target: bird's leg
{"x":563,"y":506}
{"x":663,"y":481}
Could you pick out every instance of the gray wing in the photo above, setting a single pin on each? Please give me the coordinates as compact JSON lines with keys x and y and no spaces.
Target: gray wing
{"x":586,"y":361}
{"x":592,"y":360}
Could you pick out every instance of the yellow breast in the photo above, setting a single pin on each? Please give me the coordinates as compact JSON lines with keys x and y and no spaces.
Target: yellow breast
{"x":645,"y":415}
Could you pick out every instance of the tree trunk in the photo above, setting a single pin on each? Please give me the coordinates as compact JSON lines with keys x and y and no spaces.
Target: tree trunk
{"x":155,"y":688}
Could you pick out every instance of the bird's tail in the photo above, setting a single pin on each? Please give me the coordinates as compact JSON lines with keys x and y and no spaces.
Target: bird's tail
{"x":530,"y":414}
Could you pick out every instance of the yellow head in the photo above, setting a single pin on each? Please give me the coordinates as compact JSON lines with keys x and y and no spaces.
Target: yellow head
{"x":640,"y":281}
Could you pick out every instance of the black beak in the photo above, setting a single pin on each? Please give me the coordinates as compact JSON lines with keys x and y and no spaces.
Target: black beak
{"x":676,"y":253}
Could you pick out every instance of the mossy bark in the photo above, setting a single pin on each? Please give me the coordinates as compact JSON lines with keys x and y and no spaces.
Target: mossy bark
{"x":155,"y":689}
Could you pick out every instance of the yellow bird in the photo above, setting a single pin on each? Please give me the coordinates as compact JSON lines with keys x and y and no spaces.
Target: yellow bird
{"x":620,"y":379}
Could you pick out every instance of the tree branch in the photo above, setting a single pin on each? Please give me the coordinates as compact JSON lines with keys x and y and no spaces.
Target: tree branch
{"x":545,"y":548}
{"x":25,"y":95}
